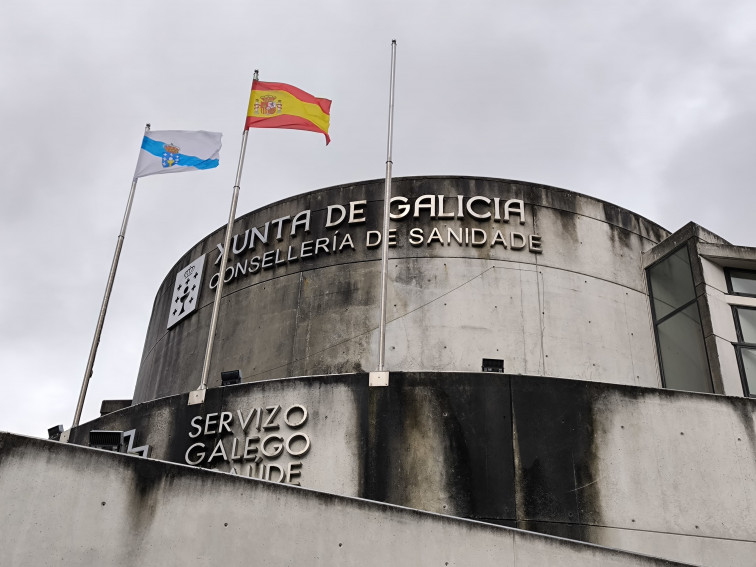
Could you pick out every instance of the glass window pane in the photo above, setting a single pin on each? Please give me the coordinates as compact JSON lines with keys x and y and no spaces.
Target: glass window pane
{"x":743,"y":281}
{"x":749,"y":365}
{"x":747,"y":318}
{"x":671,"y":283}
{"x":683,"y":352}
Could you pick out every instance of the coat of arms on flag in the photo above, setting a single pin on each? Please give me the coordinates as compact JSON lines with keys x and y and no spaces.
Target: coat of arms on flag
{"x":169,"y":151}
{"x":171,"y":154}
{"x":267,"y":105}
{"x":278,"y":105}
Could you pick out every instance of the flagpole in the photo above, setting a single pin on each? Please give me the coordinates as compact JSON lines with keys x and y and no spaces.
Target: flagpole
{"x":386,"y":216}
{"x":198,"y":396}
{"x":105,"y":301}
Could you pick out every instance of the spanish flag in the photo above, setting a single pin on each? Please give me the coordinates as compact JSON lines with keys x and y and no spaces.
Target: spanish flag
{"x":278,"y":105}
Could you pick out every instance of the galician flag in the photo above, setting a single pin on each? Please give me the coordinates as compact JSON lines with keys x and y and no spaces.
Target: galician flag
{"x":168,"y":151}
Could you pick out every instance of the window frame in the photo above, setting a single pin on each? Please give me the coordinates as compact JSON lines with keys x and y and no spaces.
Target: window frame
{"x":741,"y":345}
{"x":728,"y":277}
{"x":656,"y":322}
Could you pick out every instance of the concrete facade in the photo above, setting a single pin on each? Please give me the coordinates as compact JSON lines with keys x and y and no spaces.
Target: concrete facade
{"x":133,"y":511}
{"x":556,"y":289}
{"x":606,"y":326}
{"x":711,"y":256}
{"x":658,"y":472}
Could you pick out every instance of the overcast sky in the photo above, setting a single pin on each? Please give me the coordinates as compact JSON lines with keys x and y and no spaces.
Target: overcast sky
{"x":648,"y":104}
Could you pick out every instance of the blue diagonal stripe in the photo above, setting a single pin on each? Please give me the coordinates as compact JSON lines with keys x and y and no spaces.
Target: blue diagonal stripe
{"x":151,"y":146}
{"x":191,"y":161}
{"x":157,"y":149}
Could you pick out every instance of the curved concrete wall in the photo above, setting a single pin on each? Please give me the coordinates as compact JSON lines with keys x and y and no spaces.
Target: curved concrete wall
{"x":545,"y":279}
{"x":665,"y":473}
{"x":84,"y":507}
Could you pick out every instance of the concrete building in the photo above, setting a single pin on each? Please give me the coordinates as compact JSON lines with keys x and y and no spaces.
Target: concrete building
{"x":570,"y":384}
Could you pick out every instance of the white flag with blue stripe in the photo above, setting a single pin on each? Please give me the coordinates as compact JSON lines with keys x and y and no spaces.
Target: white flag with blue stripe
{"x":168,"y":151}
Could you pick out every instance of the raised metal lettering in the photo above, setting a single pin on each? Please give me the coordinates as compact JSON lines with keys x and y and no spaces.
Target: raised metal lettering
{"x":277,"y":448}
{"x":304,"y":220}
{"x":281,"y":474}
{"x":301,"y":422}
{"x":535,"y":244}
{"x":471,"y":201}
{"x":279,"y":231}
{"x":249,"y":450}
{"x":195,"y":423}
{"x":516,"y":241}
{"x":226,"y":418}
{"x":416,"y":236}
{"x":291,"y":472}
{"x":291,"y":440}
{"x":209,"y":422}
{"x":245,"y":422}
{"x":218,"y":450}
{"x":354,"y":211}
{"x":200,"y":455}
{"x":404,"y":208}
{"x":373,"y":238}
{"x":425,"y":202}
{"x":329,"y":219}
{"x":270,"y":422}
{"x":243,"y":246}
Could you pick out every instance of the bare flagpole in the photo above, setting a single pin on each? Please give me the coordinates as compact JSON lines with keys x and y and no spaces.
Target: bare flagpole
{"x":386,"y":218}
{"x":105,"y":300}
{"x":198,"y":395}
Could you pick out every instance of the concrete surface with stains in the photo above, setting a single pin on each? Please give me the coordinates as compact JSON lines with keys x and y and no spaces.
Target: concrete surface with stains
{"x":76,"y":506}
{"x":666,"y":473}
{"x":573,"y":305}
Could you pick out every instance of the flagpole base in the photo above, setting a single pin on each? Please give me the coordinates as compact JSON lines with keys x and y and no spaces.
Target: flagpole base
{"x":197,"y":397}
{"x":378,"y":379}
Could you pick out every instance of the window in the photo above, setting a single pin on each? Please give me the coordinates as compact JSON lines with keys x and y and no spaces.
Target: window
{"x":677,"y":323}
{"x":745,"y":348}
{"x":741,"y":282}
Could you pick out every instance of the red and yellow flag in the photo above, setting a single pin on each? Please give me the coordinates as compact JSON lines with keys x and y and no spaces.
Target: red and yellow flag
{"x":278,"y":105}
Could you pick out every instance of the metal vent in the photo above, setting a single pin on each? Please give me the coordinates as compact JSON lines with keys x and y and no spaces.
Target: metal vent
{"x":53,"y":434}
{"x":107,"y":440}
{"x":230,"y":377}
{"x":493,"y":365}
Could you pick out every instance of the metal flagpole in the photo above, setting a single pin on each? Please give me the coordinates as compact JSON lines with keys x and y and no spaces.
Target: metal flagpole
{"x":386,"y":217}
{"x":198,"y":395}
{"x":105,"y":300}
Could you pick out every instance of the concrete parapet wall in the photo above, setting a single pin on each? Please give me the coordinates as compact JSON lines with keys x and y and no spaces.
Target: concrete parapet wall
{"x":69,"y":505}
{"x":666,"y":473}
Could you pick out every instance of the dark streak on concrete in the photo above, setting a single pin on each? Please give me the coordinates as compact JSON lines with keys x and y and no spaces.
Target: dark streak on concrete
{"x":168,"y":483}
{"x":554,"y":431}
{"x":170,"y":357}
{"x":745,"y":410}
{"x":468,"y":416}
